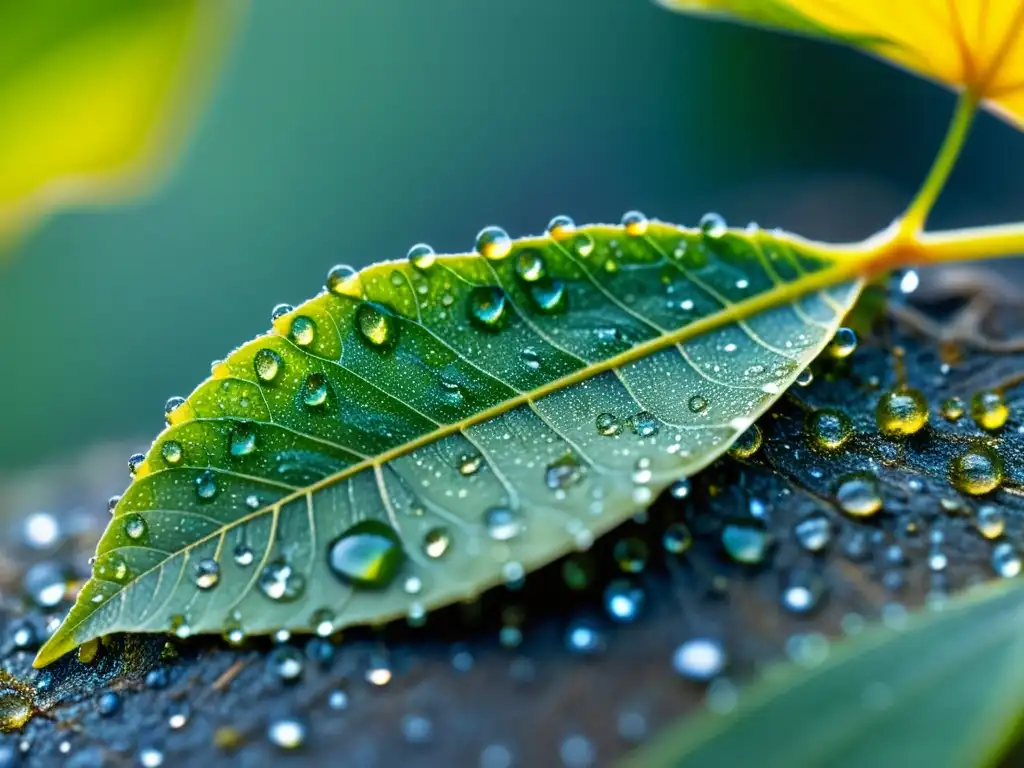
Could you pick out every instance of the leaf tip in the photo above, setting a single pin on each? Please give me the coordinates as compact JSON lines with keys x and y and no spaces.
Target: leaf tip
{"x":59,"y":644}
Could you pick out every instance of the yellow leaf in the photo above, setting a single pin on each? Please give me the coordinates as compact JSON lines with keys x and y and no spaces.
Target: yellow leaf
{"x":973,"y":45}
{"x":94,"y":95}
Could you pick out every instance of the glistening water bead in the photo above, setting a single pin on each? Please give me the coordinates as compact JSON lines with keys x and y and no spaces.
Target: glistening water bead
{"x":561,"y":227}
{"x":487,"y":307}
{"x":422,"y":256}
{"x":829,"y":430}
{"x":747,"y":444}
{"x":267,"y":364}
{"x":377,"y":326}
{"x":901,"y":412}
{"x":367,"y":555}
{"x":635,"y":223}
{"x":493,"y":243}
{"x":858,"y":495}
{"x":989,"y":410}
{"x":976,"y":471}
{"x":303,"y":331}
{"x":843,"y":343}
{"x":343,"y":280}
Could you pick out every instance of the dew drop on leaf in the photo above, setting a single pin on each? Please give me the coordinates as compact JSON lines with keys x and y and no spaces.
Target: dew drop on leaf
{"x":280,"y":310}
{"x":712,"y":226}
{"x":623,"y":600}
{"x":303,"y":331}
{"x":314,"y":390}
{"x":369,"y":554}
{"x":267,"y":364}
{"x":343,"y":280}
{"x":422,"y":256}
{"x":436,"y":542}
{"x":643,"y":424}
{"x":805,"y":378}
{"x":15,"y":706}
{"x":563,"y":472}
{"x":243,"y":555}
{"x":243,"y":439}
{"x":990,"y":521}
{"x":376,"y":325}
{"x":829,"y":430}
{"x":813,"y":532}
{"x":206,"y":485}
{"x":530,"y":358}
{"x":583,"y":244}
{"x":207,"y":573}
{"x":976,"y":471}
{"x":901,"y":412}
{"x":843,"y":343}
{"x":858,"y":495}
{"x":952,"y":409}
{"x":608,"y":424}
{"x":172,"y":404}
{"x":680,"y":488}
{"x":697,"y":404}
{"x":279,"y":581}
{"x":487,"y":307}
{"x":134,"y":527}
{"x":470,"y":464}
{"x":134,"y":462}
{"x":549,"y":296}
{"x":502,"y":523}
{"x":748,"y":443}
{"x":493,"y":243}
{"x":530,"y":265}
{"x":989,"y":410}
{"x":700,"y":659}
{"x":561,"y":227}
{"x":635,"y":223}
{"x":171,"y":451}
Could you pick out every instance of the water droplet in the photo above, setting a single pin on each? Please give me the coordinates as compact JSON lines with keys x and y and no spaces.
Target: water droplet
{"x":680,"y":488}
{"x":280,"y":310}
{"x":134,"y":527}
{"x":502,"y":523}
{"x":487,"y":307}
{"x":243,"y":555}
{"x":700,"y":659}
{"x":635,"y":223}
{"x":45,"y":583}
{"x":134,"y":462}
{"x":814,"y":532}
{"x":470,"y":464}
{"x":151,"y":757}
{"x":422,"y":256}
{"x":206,"y":485}
{"x":303,"y":331}
{"x":314,"y":390}
{"x":584,"y":637}
{"x":712,"y":226}
{"x":630,"y":554}
{"x":697,"y":404}
{"x":858,"y":495}
{"x":367,"y":555}
{"x":801,"y":592}
{"x":493,"y":243}
{"x":643,"y":424}
{"x":989,"y":410}
{"x":207,"y":573}
{"x":436,"y":542}
{"x":172,"y":404}
{"x":1006,"y":560}
{"x":909,"y":282}
{"x":563,"y":472}
{"x":377,"y":325}
{"x":901,"y":412}
{"x":561,"y":227}
{"x":286,"y":664}
{"x":843,"y":343}
{"x":172,"y":452}
{"x":748,"y":443}
{"x":623,"y":600}
{"x":343,"y":280}
{"x":180,"y":627}
{"x":829,"y":430}
{"x":952,"y":409}
{"x":530,"y":358}
{"x":804,"y":378}
{"x":583,"y":244}
{"x":287,"y":733}
{"x":252,"y":501}
{"x":549,"y":296}
{"x":976,"y":471}
{"x":608,"y":424}
{"x":746,"y":542}
{"x":243,"y":439}
{"x":990,"y":521}
{"x":267,"y":364}
{"x":15,"y":705}
{"x":677,"y":538}
{"x":279,"y":581}
{"x":530,"y":265}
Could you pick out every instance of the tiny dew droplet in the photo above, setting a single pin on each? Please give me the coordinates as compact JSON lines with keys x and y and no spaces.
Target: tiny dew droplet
{"x":134,"y":462}
{"x":280,"y":582}
{"x":952,"y":409}
{"x":493,"y":243}
{"x":697,"y":404}
{"x":303,"y":331}
{"x":858,"y":495}
{"x":608,"y":424}
{"x":1006,"y":560}
{"x":643,"y":424}
{"x":712,"y":226}
{"x":243,"y":439}
{"x":172,"y":452}
{"x":267,"y":364}
{"x":487,"y":307}
{"x":367,"y":555}
{"x":814,"y":532}
{"x":280,"y":310}
{"x":990,"y":521}
{"x":561,"y":227}
{"x":829,"y":430}
{"x":530,"y":265}
{"x":243,"y":555}
{"x":207,"y":573}
{"x":470,"y":464}
{"x":843,"y":343}
{"x":901,"y":412}
{"x":502,"y":523}
{"x":343,"y":280}
{"x":635,"y":223}
{"x":989,"y":410}
{"x":314,"y":390}
{"x":436,"y":542}
{"x":747,"y":444}
{"x":583,"y":244}
{"x":206,"y":485}
{"x":134,"y":527}
{"x":976,"y":471}
{"x":377,"y":325}
{"x":530,"y":358}
{"x":422,"y":256}
{"x":804,"y":378}
{"x":172,"y":404}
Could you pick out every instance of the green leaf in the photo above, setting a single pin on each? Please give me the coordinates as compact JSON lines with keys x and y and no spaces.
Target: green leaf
{"x":945,"y":690}
{"x":427,"y":429}
{"x":94,"y":96}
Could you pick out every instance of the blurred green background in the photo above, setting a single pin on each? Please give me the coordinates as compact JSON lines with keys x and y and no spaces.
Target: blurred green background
{"x":346,"y":131}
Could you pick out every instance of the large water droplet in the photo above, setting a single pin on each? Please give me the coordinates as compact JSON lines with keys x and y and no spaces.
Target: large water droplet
{"x":748,"y":443}
{"x":502,"y":523}
{"x":697,"y":404}
{"x":829,"y":430}
{"x":15,"y":705}
{"x":470,"y":464}
{"x":314,"y":390}
{"x":976,"y":471}
{"x":952,"y":409}
{"x":549,"y":296}
{"x":488,"y":307}
{"x":280,"y":582}
{"x":493,"y":243}
{"x":303,"y":331}
{"x":677,"y":538}
{"x":243,"y":438}
{"x":172,"y":452}
{"x":280,"y":310}
{"x":287,"y":733}
{"x":989,"y":410}
{"x":377,"y":325}
{"x":206,"y":485}
{"x":563,"y":472}
{"x":635,"y":223}
{"x":530,"y":265}
{"x":172,"y":404}
{"x":207,"y":573}
{"x":901,"y":412}
{"x":243,"y":556}
{"x":561,"y":227}
{"x":267,"y":364}
{"x":343,"y":280}
{"x":843,"y":343}
{"x":858,"y":495}
{"x":367,"y":555}
{"x":608,"y":424}
{"x":712,"y":226}
{"x":436,"y":542}
{"x":630,"y":554}
{"x":643,"y":424}
{"x":134,"y":527}
{"x":583,"y":244}
{"x":422,"y":256}
{"x":134,"y":462}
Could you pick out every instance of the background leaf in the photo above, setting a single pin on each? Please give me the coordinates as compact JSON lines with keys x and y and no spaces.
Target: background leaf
{"x":93,"y":95}
{"x":943,"y":691}
{"x":425,"y":430}
{"x":973,"y":44}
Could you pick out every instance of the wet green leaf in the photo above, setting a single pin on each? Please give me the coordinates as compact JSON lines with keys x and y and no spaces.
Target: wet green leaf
{"x":427,"y":429}
{"x":946,"y":689}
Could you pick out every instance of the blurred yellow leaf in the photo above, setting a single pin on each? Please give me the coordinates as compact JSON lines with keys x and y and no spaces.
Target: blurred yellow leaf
{"x":95,"y":93}
{"x":977,"y":45}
